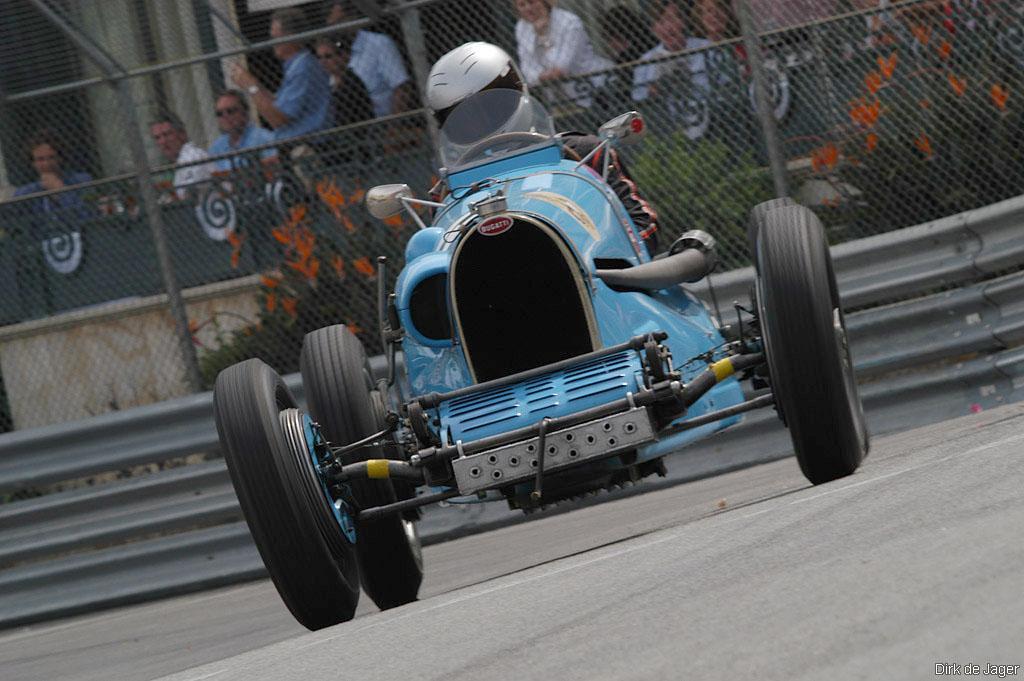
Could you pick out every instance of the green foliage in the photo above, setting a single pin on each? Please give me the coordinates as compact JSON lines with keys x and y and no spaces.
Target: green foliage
{"x":933,"y":132}
{"x":703,"y":184}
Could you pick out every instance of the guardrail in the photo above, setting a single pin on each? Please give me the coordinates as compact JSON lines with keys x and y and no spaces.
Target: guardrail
{"x":920,"y":361}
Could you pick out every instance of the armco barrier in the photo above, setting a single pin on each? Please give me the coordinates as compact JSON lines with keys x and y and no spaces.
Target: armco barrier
{"x":890,"y":266}
{"x":920,"y":361}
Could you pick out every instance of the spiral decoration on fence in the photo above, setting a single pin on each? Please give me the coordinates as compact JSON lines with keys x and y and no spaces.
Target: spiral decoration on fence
{"x":216,"y":213}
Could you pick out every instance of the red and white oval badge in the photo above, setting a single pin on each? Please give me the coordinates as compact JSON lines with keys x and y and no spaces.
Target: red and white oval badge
{"x":495,"y":226}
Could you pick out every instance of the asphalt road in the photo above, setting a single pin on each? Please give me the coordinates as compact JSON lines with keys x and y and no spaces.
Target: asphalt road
{"x":914,"y":561}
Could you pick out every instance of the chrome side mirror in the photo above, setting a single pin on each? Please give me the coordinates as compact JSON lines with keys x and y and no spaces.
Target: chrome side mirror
{"x":624,"y":129}
{"x":386,"y":200}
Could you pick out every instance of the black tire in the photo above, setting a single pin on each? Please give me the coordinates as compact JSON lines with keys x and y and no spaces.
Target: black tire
{"x":282,"y":499}
{"x":804,"y":332}
{"x":341,"y":397}
{"x":757,"y":219}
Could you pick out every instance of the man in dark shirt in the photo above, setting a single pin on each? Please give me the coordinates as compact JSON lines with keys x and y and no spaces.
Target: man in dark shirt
{"x":351,"y":99}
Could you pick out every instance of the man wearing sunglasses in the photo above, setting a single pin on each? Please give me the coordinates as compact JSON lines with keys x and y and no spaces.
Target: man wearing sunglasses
{"x":232,"y":112}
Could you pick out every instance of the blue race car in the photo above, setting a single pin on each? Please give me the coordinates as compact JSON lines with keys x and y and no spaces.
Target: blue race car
{"x":546,"y":355}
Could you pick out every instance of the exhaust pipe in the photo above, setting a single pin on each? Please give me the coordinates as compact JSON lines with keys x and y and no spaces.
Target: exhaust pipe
{"x":690,"y":259}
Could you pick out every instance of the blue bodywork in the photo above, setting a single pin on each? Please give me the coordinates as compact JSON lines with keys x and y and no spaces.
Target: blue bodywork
{"x":584,"y":211}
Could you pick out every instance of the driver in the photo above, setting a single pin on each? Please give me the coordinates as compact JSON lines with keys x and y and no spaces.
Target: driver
{"x":475,"y":67}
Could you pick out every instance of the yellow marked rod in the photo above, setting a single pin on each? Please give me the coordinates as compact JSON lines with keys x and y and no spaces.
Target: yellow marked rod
{"x":723,"y":369}
{"x":377,"y":468}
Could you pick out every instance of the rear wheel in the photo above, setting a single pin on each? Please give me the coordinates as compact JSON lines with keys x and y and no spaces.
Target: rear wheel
{"x":270,"y":449}
{"x":341,"y":396}
{"x":804,"y":332}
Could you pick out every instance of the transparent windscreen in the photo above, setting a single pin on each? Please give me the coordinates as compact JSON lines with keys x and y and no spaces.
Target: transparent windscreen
{"x":492,"y":124}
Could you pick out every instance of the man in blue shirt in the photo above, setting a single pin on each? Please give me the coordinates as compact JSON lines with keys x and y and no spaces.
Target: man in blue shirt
{"x":232,"y":111}
{"x":303,"y":103}
{"x":45,"y":156}
{"x":53,"y":218}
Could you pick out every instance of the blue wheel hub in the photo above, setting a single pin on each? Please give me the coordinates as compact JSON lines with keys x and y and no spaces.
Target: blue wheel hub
{"x":319,"y":452}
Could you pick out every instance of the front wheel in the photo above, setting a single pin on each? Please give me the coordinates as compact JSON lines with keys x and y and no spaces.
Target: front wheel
{"x":304,"y":536}
{"x":341,"y":395}
{"x":809,"y":363}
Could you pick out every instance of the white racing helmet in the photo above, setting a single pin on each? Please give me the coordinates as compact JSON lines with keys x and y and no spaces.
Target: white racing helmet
{"x":468,"y":69}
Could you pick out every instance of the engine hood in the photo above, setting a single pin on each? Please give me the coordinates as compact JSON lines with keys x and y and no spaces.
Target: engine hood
{"x":577,"y":202}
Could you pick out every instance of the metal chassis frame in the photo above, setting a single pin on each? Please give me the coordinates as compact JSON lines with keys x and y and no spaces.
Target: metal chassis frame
{"x":671,"y":391}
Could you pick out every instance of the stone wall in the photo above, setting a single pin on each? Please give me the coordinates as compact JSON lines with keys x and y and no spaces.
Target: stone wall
{"x":112,"y":356}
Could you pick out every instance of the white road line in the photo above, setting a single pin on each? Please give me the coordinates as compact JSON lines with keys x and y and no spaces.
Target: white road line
{"x":856,"y":484}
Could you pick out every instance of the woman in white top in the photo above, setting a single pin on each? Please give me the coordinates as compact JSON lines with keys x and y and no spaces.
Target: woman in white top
{"x":553,"y":44}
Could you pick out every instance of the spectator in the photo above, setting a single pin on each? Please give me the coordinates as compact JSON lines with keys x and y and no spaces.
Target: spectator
{"x":232,"y":111}
{"x":170,"y":135}
{"x":377,"y":61}
{"x":303,"y":103}
{"x":716,"y":20}
{"x":671,"y":27}
{"x":626,"y":34}
{"x":772,"y":15}
{"x":46,"y":155}
{"x":553,"y":45}
{"x":351,"y":100}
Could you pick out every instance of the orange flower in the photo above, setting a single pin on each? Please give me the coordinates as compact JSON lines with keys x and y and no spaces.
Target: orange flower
{"x":999,"y":94}
{"x":924,"y":144}
{"x":924,"y":103}
{"x":236,"y":256}
{"x":304,"y":240}
{"x":306,"y":269}
{"x":944,"y":50}
{"x":271,"y":302}
{"x":871,"y":141}
{"x":284,"y":234}
{"x":824,"y":157}
{"x":364,"y":266}
{"x":873,"y":81}
{"x":270,"y":282}
{"x":353,"y":327}
{"x":887,"y":66}
{"x":959,"y":84}
{"x":234,"y":239}
{"x":297,"y":214}
{"x":339,"y":265}
{"x":865,"y":114}
{"x":923,"y":33}
{"x":192,"y":326}
{"x":333,"y":196}
{"x":289,"y":306}
{"x":394,"y":220}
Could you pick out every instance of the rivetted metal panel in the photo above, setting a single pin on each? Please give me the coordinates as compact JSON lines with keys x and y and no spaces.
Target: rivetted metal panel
{"x":557,"y":394}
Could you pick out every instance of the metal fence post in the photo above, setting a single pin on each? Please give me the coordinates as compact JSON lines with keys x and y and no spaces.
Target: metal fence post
{"x":765,"y":110}
{"x":114,"y":74}
{"x":415,"y":45}
{"x":163,"y":250}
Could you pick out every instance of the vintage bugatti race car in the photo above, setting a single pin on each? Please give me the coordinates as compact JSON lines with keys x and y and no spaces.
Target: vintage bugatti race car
{"x":546,"y":355}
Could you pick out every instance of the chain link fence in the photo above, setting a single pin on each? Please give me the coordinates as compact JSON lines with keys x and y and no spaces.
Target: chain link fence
{"x":886,"y":116}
